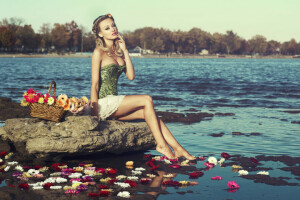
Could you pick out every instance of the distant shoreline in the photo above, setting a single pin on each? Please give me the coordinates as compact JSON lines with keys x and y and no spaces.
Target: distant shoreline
{"x":84,"y":55}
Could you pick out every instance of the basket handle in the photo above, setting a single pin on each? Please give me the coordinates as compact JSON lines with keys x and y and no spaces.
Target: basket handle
{"x":54,"y":88}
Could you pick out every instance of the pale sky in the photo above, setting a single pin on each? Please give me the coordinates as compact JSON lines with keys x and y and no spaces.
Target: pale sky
{"x":274,"y":19}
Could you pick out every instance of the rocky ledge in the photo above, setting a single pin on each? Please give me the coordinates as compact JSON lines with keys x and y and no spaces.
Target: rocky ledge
{"x":77,"y":135}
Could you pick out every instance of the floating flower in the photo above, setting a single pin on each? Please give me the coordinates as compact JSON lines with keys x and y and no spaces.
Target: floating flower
{"x":263,"y":173}
{"x":145,"y":180}
{"x":111,"y":172}
{"x":81,"y":188}
{"x":133,"y":178}
{"x":38,"y":175}
{"x":140,"y":169}
{"x":167,"y":161}
{"x":68,"y":188}
{"x":193,"y":182}
{"x":221,"y":161}
{"x":212,"y":160}
{"x":91,"y":194}
{"x":123,"y":185}
{"x":37,"y":187}
{"x":61,"y":180}
{"x":48,"y":185}
{"x":168,"y":175}
{"x":209,"y":165}
{"x":75,"y":175}
{"x":184,"y":182}
{"x":131,"y":183}
{"x":232,"y":185}
{"x":112,"y":181}
{"x":120,"y":177}
{"x":225,"y":155}
{"x":17,"y":174}
{"x":243,"y":172}
{"x":175,"y":166}
{"x":55,"y":174}
{"x":102,"y":187}
{"x":201,"y":158}
{"x":71,"y":191}
{"x":43,"y":169}
{"x":3,"y":154}
{"x":124,"y":194}
{"x":6,"y":168}
{"x":185,"y":162}
{"x":147,"y":156}
{"x":136,"y":172}
{"x":171,"y":183}
{"x":237,"y":166}
{"x":254,"y":160}
{"x":157,"y":158}
{"x":100,"y":170}
{"x":216,"y":178}
{"x":24,"y":186}
{"x":104,"y":180}
{"x":78,"y":169}
{"x":76,"y":184}
{"x":12,"y":163}
{"x":151,"y":175}
{"x":129,"y":163}
{"x":56,"y":187}
{"x":33,"y":171}
{"x":19,"y":168}
{"x":104,"y":193}
{"x":195,"y":175}
{"x":87,"y":179}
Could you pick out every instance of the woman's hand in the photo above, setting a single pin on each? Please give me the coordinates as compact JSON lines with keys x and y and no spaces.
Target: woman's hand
{"x":121,"y":43}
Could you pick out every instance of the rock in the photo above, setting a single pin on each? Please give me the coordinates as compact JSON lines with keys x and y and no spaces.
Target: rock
{"x":77,"y":135}
{"x":237,"y":133}
{"x":224,"y":114}
{"x":10,"y":109}
{"x":187,"y":118}
{"x":295,"y":122}
{"x":217,"y":134}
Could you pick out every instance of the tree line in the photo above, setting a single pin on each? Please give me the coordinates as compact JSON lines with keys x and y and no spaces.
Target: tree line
{"x":15,"y":36}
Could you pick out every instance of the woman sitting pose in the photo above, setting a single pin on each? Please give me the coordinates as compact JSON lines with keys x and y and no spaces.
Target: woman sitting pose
{"x":110,"y":58}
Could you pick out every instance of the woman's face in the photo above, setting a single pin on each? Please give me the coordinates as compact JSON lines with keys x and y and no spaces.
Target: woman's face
{"x":108,"y":29}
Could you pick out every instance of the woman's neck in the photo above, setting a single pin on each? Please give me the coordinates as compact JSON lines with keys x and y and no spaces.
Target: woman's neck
{"x":109,"y":44}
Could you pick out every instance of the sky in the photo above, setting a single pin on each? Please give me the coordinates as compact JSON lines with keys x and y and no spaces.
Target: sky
{"x":275,"y":19}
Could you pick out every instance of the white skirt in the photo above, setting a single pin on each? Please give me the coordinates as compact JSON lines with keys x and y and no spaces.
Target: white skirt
{"x":108,"y":105}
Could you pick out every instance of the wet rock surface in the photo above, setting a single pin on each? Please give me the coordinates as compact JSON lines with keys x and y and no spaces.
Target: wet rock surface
{"x":77,"y":135}
{"x":10,"y":109}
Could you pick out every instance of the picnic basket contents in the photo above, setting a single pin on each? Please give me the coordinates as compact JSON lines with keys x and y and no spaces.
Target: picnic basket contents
{"x":50,"y":107}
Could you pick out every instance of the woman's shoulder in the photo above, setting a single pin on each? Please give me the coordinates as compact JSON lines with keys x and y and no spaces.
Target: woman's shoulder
{"x":98,"y":52}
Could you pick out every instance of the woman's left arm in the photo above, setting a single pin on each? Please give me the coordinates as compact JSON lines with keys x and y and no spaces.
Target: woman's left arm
{"x":129,"y":66}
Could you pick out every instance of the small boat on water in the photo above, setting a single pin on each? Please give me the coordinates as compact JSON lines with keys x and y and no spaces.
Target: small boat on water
{"x":296,"y":56}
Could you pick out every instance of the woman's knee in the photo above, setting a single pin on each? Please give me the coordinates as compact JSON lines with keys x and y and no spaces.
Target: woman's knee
{"x":148,"y":100}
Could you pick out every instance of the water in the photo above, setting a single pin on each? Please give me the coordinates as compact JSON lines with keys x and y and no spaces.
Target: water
{"x":256,"y":91}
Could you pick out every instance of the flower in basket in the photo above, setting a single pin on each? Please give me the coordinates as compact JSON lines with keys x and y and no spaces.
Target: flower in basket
{"x":63,"y":101}
{"x":51,"y":101}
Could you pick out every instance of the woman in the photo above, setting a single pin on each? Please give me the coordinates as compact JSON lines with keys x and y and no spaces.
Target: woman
{"x":110,"y":58}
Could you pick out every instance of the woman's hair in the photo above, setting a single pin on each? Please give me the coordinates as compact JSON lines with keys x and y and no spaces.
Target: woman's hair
{"x":100,"y":41}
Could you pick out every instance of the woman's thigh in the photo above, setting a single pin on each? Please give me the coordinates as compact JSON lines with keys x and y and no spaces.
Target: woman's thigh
{"x":132,"y":103}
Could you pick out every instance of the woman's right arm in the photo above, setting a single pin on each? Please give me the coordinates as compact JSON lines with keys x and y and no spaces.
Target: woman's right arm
{"x":96,"y":61}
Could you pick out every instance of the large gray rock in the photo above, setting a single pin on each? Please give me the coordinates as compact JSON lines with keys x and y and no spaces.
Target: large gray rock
{"x":77,"y":135}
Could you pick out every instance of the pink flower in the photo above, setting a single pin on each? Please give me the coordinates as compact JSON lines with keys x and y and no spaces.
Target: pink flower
{"x":175,"y":166}
{"x":195,"y":175}
{"x":216,"y":178}
{"x":232,"y":185}
{"x":209,"y":165}
{"x":225,"y":155}
{"x":71,"y":192}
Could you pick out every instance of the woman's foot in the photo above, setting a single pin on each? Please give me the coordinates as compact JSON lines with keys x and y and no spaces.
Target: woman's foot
{"x":166,"y":151}
{"x":183,"y":153}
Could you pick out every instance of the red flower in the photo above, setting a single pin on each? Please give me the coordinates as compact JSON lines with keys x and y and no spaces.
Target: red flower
{"x":175,"y":166}
{"x":209,"y":165}
{"x":47,"y":185}
{"x":145,"y":180}
{"x":1,"y":170}
{"x":46,"y":97}
{"x":24,"y":186}
{"x":111,"y":172}
{"x":56,"y":167}
{"x":171,"y":183}
{"x":195,"y":175}
{"x":1,"y":163}
{"x":93,"y":194}
{"x":154,"y":168}
{"x":103,"y":187}
{"x":225,"y":155}
{"x":131,"y":183}
{"x":82,"y":164}
{"x":11,"y":186}
{"x":3,"y":153}
{"x":100,"y":170}
{"x":201,"y":158}
{"x":31,"y":91}
{"x":112,"y":181}
{"x":37,"y":96}
{"x":147,"y":156}
{"x":103,"y":193}
{"x":254,"y":160}
{"x":150,"y":163}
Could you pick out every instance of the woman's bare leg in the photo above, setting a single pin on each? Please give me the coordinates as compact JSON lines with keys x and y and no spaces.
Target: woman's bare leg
{"x":168,"y":136}
{"x":134,"y":102}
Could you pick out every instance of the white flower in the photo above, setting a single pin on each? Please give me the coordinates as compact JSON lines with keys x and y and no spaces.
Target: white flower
{"x":140,"y":169}
{"x":49,"y":180}
{"x":120,"y":177}
{"x":75,"y":175}
{"x":89,"y":172}
{"x":38,"y":184}
{"x":167,"y":161}
{"x":55,"y":174}
{"x":1,"y":160}
{"x":243,"y":172}
{"x":19,"y":168}
{"x":263,"y":173}
{"x":168,"y":175}
{"x":157,"y":158}
{"x":124,"y":194}
{"x":136,"y":172}
{"x":133,"y":178}
{"x":123,"y":185}
{"x":61,"y":180}
{"x":212,"y":160}
{"x":33,"y":171}
{"x":55,"y":187}
{"x":221,"y":161}
{"x":12,"y":163}
{"x":6,"y":168}
{"x":185,"y":162}
{"x":37,"y":187}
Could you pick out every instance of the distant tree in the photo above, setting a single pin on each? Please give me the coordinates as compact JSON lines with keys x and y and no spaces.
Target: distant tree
{"x":6,"y":37}
{"x":60,"y":36}
{"x":75,"y":35}
{"x":26,"y":38}
{"x":292,"y":47}
{"x":218,"y":44}
{"x":273,"y":47}
{"x":46,"y":40}
{"x":89,"y":42}
{"x":232,"y":41}
{"x":258,"y":44}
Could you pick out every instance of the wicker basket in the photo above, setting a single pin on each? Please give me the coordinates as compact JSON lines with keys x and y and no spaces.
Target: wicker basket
{"x":45,"y":111}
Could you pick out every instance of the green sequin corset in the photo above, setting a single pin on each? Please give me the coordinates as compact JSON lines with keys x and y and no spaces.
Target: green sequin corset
{"x":109,"y":79}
